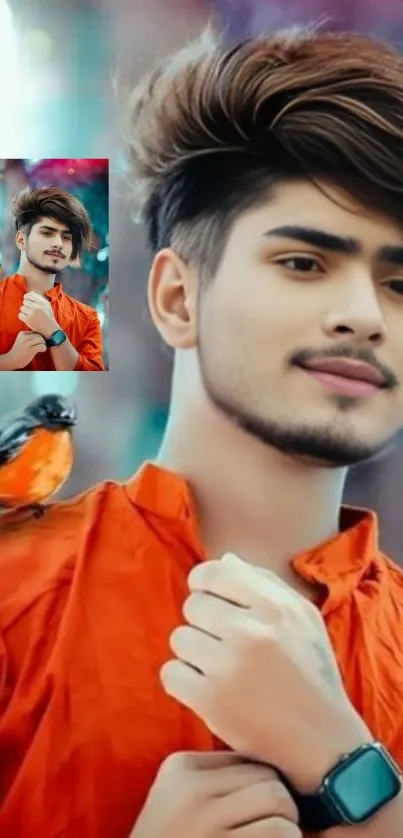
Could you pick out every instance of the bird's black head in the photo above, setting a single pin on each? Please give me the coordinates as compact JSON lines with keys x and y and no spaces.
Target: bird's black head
{"x":53,"y":411}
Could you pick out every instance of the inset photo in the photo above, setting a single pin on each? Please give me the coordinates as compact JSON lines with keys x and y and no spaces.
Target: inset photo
{"x":54,"y":256}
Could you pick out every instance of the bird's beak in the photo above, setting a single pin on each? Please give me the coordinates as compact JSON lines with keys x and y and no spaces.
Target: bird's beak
{"x":65,"y":419}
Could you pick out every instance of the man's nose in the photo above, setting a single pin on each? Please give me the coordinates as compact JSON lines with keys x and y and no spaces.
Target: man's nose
{"x":357,"y":311}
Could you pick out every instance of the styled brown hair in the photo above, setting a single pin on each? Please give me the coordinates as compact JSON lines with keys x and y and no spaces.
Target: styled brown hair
{"x":52,"y":202}
{"x":214,"y":128}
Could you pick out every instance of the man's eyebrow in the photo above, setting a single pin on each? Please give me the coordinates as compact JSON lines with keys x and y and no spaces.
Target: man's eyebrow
{"x":339,"y":244}
{"x":318,"y":238}
{"x":54,"y":229}
{"x":391,"y":253}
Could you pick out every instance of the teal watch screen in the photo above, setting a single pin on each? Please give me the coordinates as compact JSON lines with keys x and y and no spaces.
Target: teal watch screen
{"x":364,"y":786}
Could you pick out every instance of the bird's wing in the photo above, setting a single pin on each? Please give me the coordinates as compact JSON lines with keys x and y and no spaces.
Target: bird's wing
{"x":14,"y":432}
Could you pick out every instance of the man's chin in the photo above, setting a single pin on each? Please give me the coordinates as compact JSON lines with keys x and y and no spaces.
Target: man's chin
{"x":48,"y":269}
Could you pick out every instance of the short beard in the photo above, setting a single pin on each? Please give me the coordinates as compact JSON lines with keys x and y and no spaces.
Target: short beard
{"x":44,"y":268}
{"x":321,"y":445}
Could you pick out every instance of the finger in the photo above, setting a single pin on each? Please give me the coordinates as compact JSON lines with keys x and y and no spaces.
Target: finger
{"x":208,"y":761}
{"x":185,"y":684}
{"x":241,"y":775}
{"x":233,"y":579}
{"x":32,"y":336}
{"x":200,"y":650}
{"x":267,"y":828}
{"x":255,"y":801}
{"x":28,"y":305}
{"x":33,"y":295}
{"x":211,"y":614}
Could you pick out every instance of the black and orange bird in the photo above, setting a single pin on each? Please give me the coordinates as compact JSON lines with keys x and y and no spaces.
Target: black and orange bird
{"x":36,"y":453}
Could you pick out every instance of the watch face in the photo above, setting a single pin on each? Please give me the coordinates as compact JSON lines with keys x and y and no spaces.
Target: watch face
{"x":58,"y":337}
{"x":363,"y":786}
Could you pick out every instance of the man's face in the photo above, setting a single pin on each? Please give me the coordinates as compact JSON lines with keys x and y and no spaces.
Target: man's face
{"x":278,"y":300}
{"x":49,"y":245}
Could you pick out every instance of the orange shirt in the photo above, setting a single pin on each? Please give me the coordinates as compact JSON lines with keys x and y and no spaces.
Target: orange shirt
{"x":89,"y":595}
{"x":80,"y":322}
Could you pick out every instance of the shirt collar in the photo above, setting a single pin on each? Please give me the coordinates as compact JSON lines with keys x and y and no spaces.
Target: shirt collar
{"x":52,"y":294}
{"x":338,"y":563}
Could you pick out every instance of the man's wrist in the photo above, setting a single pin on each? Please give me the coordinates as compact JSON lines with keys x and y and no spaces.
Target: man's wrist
{"x":50,"y":330}
{"x":347,"y":737}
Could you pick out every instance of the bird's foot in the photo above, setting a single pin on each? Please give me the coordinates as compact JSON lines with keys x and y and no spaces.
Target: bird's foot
{"x":38,"y":509}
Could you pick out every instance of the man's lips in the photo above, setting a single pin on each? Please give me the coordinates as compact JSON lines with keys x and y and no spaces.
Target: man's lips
{"x":58,"y":255}
{"x":347,"y":368}
{"x":350,"y":378}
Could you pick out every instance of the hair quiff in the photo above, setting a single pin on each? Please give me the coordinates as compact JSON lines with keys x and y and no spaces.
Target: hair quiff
{"x":53,"y":202}
{"x":214,"y":127}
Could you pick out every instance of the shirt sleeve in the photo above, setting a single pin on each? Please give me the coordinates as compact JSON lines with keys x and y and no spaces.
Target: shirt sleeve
{"x":90,"y":348}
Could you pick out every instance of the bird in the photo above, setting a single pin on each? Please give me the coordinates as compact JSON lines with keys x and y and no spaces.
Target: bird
{"x":36,"y":453}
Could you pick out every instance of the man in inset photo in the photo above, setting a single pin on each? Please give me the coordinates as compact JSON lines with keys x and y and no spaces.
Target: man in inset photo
{"x":42,"y":327}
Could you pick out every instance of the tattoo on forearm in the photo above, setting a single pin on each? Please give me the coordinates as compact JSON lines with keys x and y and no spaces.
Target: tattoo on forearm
{"x":326,"y":668}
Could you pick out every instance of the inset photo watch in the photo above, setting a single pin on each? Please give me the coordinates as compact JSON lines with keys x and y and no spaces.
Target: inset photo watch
{"x":56,"y":338}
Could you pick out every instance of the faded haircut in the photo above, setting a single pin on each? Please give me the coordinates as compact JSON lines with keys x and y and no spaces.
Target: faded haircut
{"x":214,"y":129}
{"x":52,"y":202}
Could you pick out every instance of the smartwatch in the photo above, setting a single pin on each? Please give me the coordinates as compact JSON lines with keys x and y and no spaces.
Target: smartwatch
{"x":359,"y":785}
{"x":56,"y":338}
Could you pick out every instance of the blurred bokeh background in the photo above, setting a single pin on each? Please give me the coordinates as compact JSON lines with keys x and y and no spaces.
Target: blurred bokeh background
{"x":63,"y":60}
{"x":87,"y":180}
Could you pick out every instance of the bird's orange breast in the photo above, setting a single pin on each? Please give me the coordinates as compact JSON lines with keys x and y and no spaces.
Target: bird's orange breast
{"x":39,"y":469}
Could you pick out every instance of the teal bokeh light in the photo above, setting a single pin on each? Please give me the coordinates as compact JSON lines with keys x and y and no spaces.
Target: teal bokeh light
{"x":64,"y":383}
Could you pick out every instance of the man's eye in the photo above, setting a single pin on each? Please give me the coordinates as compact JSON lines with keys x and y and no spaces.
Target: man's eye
{"x":397,"y":285}
{"x":301,"y":263}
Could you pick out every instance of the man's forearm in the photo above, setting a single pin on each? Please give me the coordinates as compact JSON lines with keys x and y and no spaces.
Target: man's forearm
{"x":387,"y":823}
{"x":64,"y":357}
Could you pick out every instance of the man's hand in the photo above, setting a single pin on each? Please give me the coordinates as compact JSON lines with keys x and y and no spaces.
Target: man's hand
{"x":24,"y":348}
{"x":36,"y":311}
{"x":256,"y":664}
{"x":213,"y":795}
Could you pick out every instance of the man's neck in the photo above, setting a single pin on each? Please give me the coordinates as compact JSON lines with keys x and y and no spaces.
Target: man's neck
{"x":36,"y":280}
{"x":250,"y":498}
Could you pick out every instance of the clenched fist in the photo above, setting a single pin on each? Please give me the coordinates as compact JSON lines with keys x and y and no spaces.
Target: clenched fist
{"x":214,"y":795}
{"x":254,"y":661}
{"x":36,"y":311}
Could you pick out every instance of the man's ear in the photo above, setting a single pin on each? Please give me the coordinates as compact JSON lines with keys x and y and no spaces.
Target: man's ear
{"x":20,"y":240}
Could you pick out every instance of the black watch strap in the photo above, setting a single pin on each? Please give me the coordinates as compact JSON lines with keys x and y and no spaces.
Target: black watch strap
{"x":315,"y":813}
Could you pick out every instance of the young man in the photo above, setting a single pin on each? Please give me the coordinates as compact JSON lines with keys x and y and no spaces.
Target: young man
{"x":192,"y":653}
{"x":42,"y":328}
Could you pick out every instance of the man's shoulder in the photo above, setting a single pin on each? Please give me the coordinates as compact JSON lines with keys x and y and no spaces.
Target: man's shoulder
{"x":40,"y":555}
